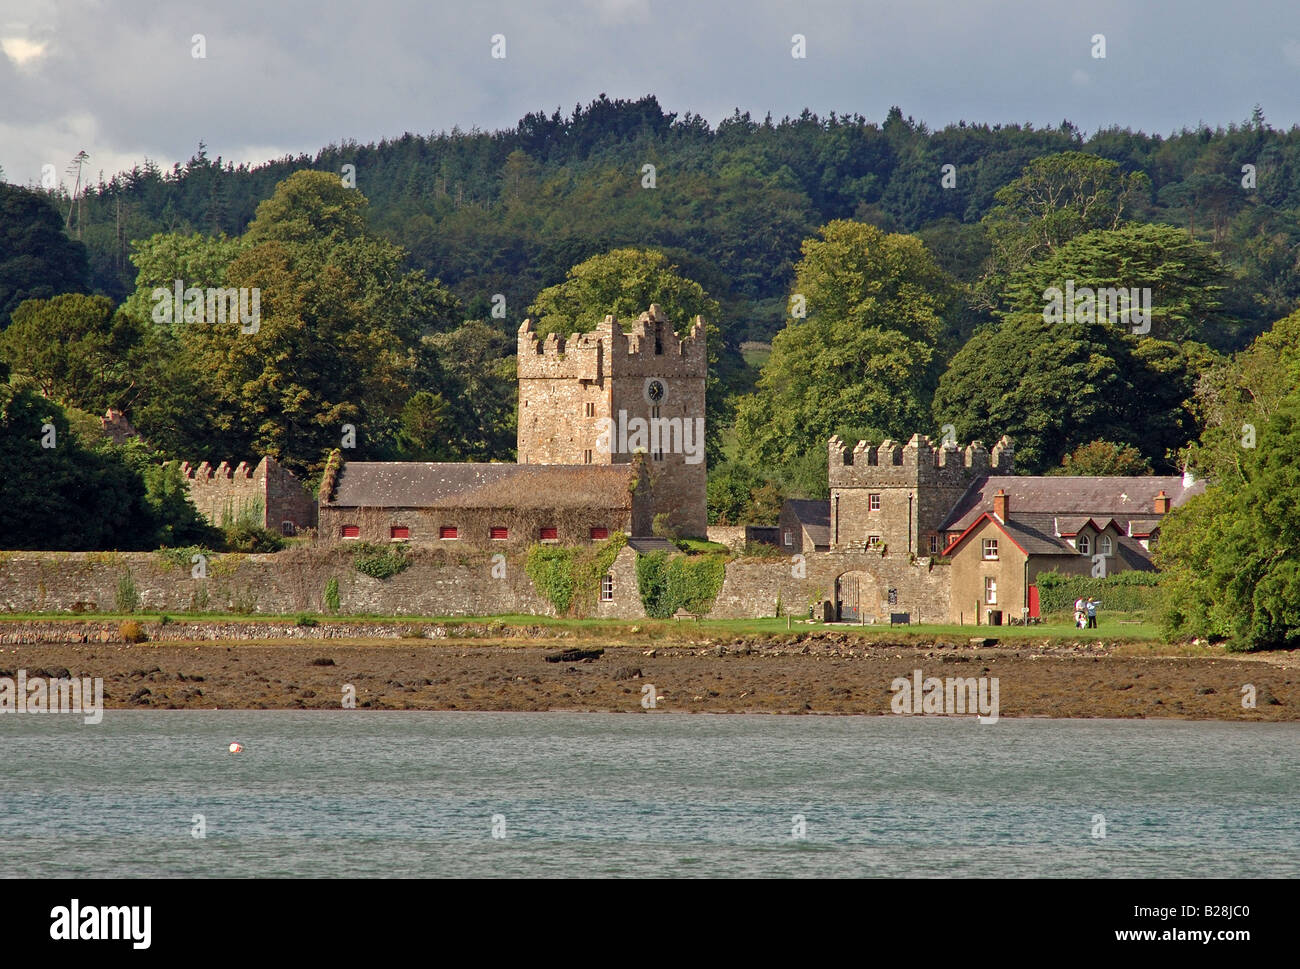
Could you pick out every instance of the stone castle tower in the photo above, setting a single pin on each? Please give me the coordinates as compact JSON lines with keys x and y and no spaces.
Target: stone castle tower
{"x":898,"y":496}
{"x":599,"y":397}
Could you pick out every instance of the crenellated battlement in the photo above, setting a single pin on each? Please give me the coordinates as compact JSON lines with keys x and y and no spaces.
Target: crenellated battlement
{"x":920,"y":461}
{"x":895,"y":496}
{"x":651,"y":347}
{"x":267,"y":493}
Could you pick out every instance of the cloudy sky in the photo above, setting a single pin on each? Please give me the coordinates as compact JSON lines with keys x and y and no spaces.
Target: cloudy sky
{"x":118,"y":79}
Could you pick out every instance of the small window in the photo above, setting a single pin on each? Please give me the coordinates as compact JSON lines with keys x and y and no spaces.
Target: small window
{"x":586,"y":456}
{"x":990,"y":591}
{"x":399,"y":533}
{"x":351,"y":531}
{"x":873,"y":541}
{"x":1104,"y":545}
{"x":591,"y":409}
{"x":599,"y":533}
{"x":447,"y":531}
{"x":1084,"y":546}
{"x":990,"y":548}
{"x":549,"y":534}
{"x":788,"y":538}
{"x":934,"y":544}
{"x":288,"y":528}
{"x":658,"y":455}
{"x":873,"y":502}
{"x":498,"y":533}
{"x":607,"y":588}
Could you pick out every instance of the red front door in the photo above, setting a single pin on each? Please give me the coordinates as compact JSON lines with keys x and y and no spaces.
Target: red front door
{"x":1033,"y":602}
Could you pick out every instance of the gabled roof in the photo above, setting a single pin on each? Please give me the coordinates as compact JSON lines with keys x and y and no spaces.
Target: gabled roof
{"x":1026,"y":536}
{"x":1134,"y":555}
{"x":815,"y":517}
{"x":1030,"y":535}
{"x":407,"y":484}
{"x":1143,"y":527}
{"x":1083,"y":497}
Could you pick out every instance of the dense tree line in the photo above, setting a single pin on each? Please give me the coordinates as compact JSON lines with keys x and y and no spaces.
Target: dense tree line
{"x":512,"y":211}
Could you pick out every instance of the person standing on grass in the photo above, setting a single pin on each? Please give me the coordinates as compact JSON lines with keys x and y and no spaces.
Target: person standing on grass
{"x":1078,"y":613}
{"x":1092,"y":612}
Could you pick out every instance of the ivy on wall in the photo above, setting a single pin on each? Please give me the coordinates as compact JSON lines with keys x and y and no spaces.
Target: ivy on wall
{"x":380,"y":561}
{"x":569,"y":575}
{"x":671,"y":582}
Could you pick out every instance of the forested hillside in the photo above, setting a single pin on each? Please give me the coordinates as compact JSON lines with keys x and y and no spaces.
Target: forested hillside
{"x":511,"y":211}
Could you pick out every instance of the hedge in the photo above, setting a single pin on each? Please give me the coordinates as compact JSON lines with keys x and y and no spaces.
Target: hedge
{"x":1130,"y":591}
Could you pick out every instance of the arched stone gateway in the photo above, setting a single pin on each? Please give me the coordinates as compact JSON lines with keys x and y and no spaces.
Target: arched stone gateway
{"x":857,"y":596}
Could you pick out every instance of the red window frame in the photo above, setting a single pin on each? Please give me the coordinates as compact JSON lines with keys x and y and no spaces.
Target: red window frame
{"x":350,"y":531}
{"x":399,"y":532}
{"x":549,"y":534}
{"x":498,"y":533}
{"x":599,"y":533}
{"x":448,"y":531}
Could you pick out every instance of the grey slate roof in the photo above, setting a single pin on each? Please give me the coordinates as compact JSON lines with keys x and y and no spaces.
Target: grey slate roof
{"x":815,"y":517}
{"x":406,"y":484}
{"x":1121,"y":498}
{"x":1035,"y":534}
{"x":647,"y":545}
{"x":1034,"y":539}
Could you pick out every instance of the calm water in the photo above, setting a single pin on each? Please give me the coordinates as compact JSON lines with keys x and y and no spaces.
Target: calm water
{"x":414,"y":794}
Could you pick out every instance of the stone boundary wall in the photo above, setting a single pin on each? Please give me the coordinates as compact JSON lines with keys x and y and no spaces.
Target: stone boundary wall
{"x":61,"y":631}
{"x":438,"y":582}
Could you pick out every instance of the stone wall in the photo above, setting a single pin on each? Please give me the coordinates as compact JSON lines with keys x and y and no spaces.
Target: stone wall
{"x":269,"y":494}
{"x":438,"y":582}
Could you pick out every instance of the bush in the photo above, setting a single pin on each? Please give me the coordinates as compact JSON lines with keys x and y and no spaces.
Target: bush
{"x":661,"y":528}
{"x":332,"y":595}
{"x":306,"y":620}
{"x":244,"y":536}
{"x":131,"y":632}
{"x":380,"y":561}
{"x":128,"y":600}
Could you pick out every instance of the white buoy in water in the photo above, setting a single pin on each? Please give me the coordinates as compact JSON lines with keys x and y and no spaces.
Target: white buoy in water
{"x":236,"y":747}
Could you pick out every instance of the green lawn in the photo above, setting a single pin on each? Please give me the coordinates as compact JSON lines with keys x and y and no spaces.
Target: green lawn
{"x":649,"y":629}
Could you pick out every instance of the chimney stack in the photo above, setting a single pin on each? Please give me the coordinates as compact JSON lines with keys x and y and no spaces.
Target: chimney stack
{"x":1000,"y":505}
{"x":1162,"y":503}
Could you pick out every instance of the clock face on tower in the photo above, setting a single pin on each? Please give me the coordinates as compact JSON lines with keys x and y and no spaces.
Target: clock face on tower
{"x":655,"y":391}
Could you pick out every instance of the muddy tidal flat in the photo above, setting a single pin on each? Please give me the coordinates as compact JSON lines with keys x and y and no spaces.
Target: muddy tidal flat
{"x":812,"y":674}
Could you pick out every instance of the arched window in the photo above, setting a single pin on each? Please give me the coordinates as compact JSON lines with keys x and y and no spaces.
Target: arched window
{"x":1084,"y":546}
{"x":1104,"y":544}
